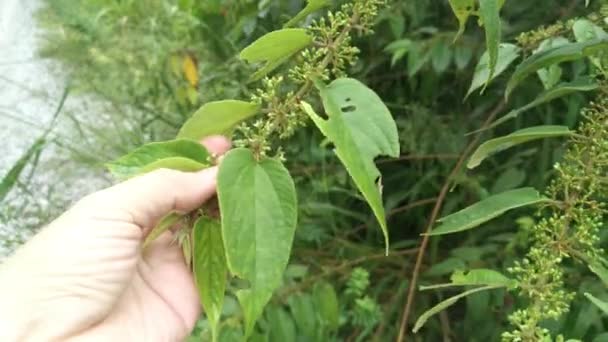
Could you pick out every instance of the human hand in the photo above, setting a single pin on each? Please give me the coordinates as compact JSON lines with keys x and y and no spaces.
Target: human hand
{"x":85,"y":277}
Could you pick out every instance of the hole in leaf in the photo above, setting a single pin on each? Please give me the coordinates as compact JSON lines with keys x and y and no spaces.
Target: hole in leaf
{"x":240,"y":284}
{"x":348,"y":99}
{"x":348,"y":109}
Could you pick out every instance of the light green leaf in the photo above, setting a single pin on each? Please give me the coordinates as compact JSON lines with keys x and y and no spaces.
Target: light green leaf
{"x":561,"y":90}
{"x":585,"y":30}
{"x":445,"y":304}
{"x":281,"y":326}
{"x":551,"y":75}
{"x":598,"y":302}
{"x":11,"y":178}
{"x":311,"y":7}
{"x":326,"y":305}
{"x":162,"y":226}
{"x":398,"y":48}
{"x":274,"y":49}
{"x":600,"y":271}
{"x":181,"y":154}
{"x":259,"y":213}
{"x":462,"y":10}
{"x":482,"y":277}
{"x":210,"y":269}
{"x":218,"y":117}
{"x":496,"y":145}
{"x":564,"y":53}
{"x":361,"y":129}
{"x":487,"y":209}
{"x":507,"y":53}
{"x":489,"y":12}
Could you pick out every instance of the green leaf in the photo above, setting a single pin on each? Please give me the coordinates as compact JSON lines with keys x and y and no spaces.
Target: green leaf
{"x":311,"y":7}
{"x":551,"y":75}
{"x":447,"y":266}
{"x":441,"y":56}
{"x":361,"y":129}
{"x":489,"y":12}
{"x":462,"y":10}
{"x":181,"y":154}
{"x":218,"y":117}
{"x":210,"y":269}
{"x":585,"y":30}
{"x":11,"y":178}
{"x":487,"y":209}
{"x":561,"y":90}
{"x":482,"y":277}
{"x":445,"y":304}
{"x":303,"y":311}
{"x":597,"y":302}
{"x":259,"y":213}
{"x":507,"y":53}
{"x":162,"y":226}
{"x":274,"y":49}
{"x":398,"y":48}
{"x":564,"y":53}
{"x":525,"y":135}
{"x":282,"y":328}
{"x":326,"y":305}
{"x":600,"y":271}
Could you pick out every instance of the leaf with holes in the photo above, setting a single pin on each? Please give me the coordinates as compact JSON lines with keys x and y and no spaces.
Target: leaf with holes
{"x":259,"y":212}
{"x":209,"y":268}
{"x":447,"y":303}
{"x":561,"y":90}
{"x":274,"y":49}
{"x":361,"y":129}
{"x":182,"y":155}
{"x":486,"y":210}
{"x":559,"y":54}
{"x":311,"y":7}
{"x":525,"y":135}
{"x":218,"y":117}
{"x":507,"y":53}
{"x":489,"y":12}
{"x":462,"y":10}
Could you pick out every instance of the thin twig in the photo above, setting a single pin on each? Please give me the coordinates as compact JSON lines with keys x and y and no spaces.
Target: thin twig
{"x":434,"y":215}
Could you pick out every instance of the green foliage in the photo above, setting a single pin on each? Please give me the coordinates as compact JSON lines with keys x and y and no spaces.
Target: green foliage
{"x":217,"y":118}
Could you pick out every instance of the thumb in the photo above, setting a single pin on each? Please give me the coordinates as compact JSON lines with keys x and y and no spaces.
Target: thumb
{"x":144,"y":200}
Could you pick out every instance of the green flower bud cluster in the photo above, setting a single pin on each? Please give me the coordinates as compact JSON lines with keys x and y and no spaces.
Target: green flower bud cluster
{"x":569,"y":229}
{"x":330,"y":56}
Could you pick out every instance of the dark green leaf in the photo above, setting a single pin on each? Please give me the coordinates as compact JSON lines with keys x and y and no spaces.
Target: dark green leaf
{"x":275,"y":48}
{"x":303,"y":311}
{"x":216,"y":118}
{"x":564,"y":53}
{"x":361,"y":129}
{"x":311,"y":7}
{"x":445,"y":304}
{"x":281,"y":325}
{"x":209,"y":267}
{"x":489,"y":12}
{"x":441,"y":56}
{"x":561,"y":90}
{"x":259,"y":213}
{"x":496,"y":145}
{"x":487,"y":209}
{"x":182,"y":155}
{"x":507,"y":53}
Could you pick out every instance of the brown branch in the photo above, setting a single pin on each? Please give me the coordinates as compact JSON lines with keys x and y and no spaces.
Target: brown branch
{"x":434,"y":215}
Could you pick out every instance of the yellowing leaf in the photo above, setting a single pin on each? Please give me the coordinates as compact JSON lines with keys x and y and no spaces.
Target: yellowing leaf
{"x":190,"y":69}
{"x":210,"y":269}
{"x":181,"y":155}
{"x":218,"y":117}
{"x":274,"y":49}
{"x":496,"y":145}
{"x":311,"y":7}
{"x":259,"y":213}
{"x":487,"y":209}
{"x":361,"y":129}
{"x":462,"y":10}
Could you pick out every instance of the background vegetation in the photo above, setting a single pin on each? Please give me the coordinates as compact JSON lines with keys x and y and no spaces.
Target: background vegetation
{"x":136,"y":59}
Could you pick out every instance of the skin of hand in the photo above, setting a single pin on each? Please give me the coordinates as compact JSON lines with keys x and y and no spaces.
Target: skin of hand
{"x":85,"y":277}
